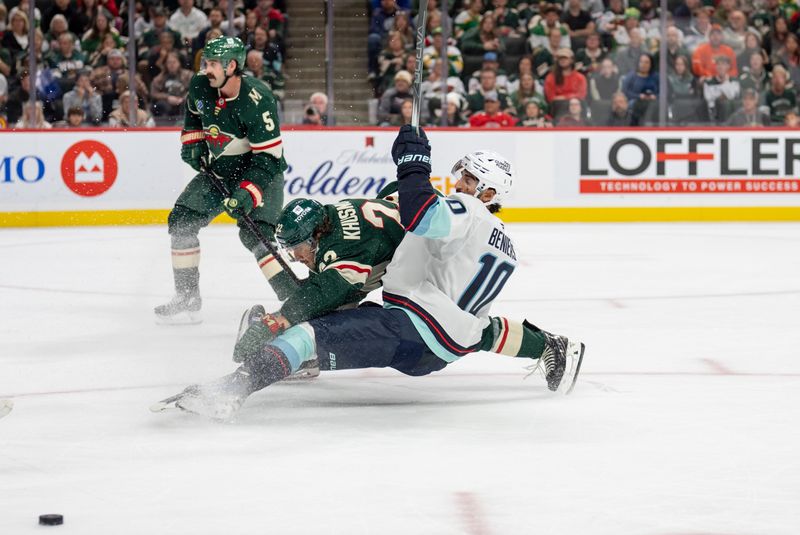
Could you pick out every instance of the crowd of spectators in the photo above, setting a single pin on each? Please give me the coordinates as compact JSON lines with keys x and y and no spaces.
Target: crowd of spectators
{"x":82,"y":74}
{"x":589,"y":62}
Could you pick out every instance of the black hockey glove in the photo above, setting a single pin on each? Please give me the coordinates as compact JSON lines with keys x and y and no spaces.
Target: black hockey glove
{"x":411,"y":152}
{"x":194,"y":150}
{"x":242,"y":201}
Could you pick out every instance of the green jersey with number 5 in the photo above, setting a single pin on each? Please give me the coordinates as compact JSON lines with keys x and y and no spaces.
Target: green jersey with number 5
{"x":241,"y":132}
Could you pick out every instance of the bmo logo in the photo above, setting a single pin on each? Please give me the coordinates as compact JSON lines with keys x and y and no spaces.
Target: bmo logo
{"x":89,"y":168}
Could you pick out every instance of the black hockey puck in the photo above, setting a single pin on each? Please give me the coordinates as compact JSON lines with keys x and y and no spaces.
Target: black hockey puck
{"x":51,"y":520}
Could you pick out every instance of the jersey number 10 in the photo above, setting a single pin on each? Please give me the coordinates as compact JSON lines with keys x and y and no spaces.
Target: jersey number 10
{"x":490,"y":278}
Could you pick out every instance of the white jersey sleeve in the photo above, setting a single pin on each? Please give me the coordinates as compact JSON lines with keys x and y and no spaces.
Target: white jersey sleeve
{"x":447,"y":272}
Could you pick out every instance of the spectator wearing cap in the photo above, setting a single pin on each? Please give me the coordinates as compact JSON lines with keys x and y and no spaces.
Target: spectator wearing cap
{"x":623,"y":37}
{"x":749,"y":114}
{"x":533,"y":116}
{"x":574,"y":116}
{"x":588,"y":59}
{"x":188,"y":21}
{"x":490,"y":62}
{"x":483,"y":38}
{"x":703,"y":65}
{"x":85,"y":97}
{"x":539,"y":28}
{"x":641,"y":87}
{"x":563,"y":83}
{"x":455,"y":62}
{"x":627,"y":57}
{"x":469,"y":18}
{"x":104,"y":79}
{"x":721,"y":91}
{"x":779,"y":98}
{"x":755,"y":75}
{"x":491,"y":116}
{"x":488,"y":83}
{"x":579,"y":23}
{"x":392,"y":99}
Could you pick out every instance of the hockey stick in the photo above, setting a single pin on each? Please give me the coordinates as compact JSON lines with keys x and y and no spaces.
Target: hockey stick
{"x":422,"y":16}
{"x":249,"y":223}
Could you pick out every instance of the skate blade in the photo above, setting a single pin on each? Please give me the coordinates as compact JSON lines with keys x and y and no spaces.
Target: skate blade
{"x":568,"y":391}
{"x":302,"y":376}
{"x":166,"y":404}
{"x":181,"y":318}
{"x":5,"y":407}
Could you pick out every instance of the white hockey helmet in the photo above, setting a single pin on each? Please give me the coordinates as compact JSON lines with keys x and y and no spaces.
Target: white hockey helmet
{"x":491,"y":170}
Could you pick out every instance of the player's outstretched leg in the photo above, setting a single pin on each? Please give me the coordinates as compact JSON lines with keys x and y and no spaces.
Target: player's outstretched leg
{"x":221,"y":399}
{"x":558,"y":356}
{"x":561,"y":360}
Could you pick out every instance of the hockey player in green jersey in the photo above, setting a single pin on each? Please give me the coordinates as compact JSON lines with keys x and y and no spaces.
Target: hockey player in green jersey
{"x":230,"y":134}
{"x":346,"y":247}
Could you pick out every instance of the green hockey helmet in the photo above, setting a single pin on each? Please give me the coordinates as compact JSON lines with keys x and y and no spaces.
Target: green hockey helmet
{"x":298,"y":221}
{"x":224,"y":49}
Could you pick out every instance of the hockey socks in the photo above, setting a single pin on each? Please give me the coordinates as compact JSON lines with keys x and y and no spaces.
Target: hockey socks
{"x":512,"y":338}
{"x":185,"y":264}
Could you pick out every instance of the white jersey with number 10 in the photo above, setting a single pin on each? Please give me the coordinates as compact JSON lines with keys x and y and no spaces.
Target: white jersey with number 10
{"x":447,"y":272}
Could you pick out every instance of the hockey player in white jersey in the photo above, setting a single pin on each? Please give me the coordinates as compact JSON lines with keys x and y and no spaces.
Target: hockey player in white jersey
{"x":438,"y":290}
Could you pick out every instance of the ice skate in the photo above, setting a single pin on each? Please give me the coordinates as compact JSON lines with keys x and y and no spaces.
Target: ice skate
{"x":218,"y":400}
{"x":560,"y":361}
{"x":182,"y":309}
{"x":307,"y":370}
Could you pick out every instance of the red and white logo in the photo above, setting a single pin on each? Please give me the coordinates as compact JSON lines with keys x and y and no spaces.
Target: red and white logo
{"x":89,"y":168}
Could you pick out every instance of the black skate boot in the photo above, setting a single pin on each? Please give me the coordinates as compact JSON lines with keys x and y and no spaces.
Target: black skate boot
{"x":561,"y":360}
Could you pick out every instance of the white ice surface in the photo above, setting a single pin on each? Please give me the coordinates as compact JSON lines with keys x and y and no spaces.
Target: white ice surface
{"x":681,"y":422}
